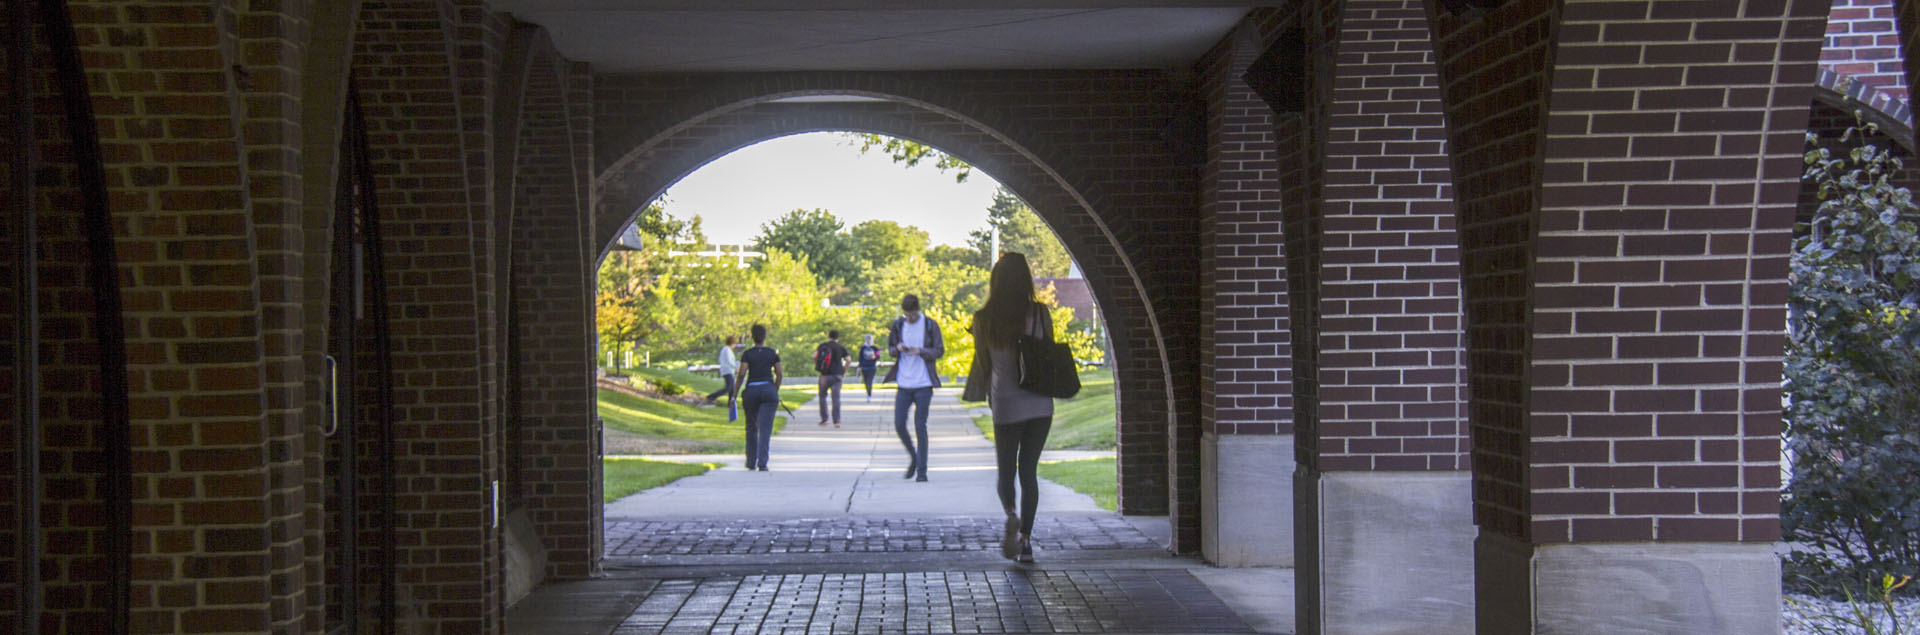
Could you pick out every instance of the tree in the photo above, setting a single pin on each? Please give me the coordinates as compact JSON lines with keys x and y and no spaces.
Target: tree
{"x":911,"y":153}
{"x":1853,"y":360}
{"x":627,"y":290}
{"x":879,"y":243}
{"x":1022,"y":230}
{"x":815,"y":237}
{"x":942,"y":254}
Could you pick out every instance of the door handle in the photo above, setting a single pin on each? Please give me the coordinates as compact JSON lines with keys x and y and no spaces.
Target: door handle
{"x":333,"y":396}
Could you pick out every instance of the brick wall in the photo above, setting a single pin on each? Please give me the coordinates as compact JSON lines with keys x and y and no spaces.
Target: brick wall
{"x":1029,"y":131}
{"x":1862,"y":43}
{"x":1246,"y":380}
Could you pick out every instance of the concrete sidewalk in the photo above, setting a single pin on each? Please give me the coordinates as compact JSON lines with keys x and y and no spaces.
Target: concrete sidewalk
{"x":853,"y":470}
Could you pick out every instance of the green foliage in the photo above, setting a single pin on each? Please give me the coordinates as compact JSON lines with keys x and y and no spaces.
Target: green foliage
{"x":623,"y":477}
{"x":942,"y":254}
{"x":815,"y":238}
{"x":700,"y":305}
{"x":628,"y":281}
{"x":911,"y":153}
{"x":1853,"y":360}
{"x":878,"y":243}
{"x":669,"y":387}
{"x":1093,"y":477}
{"x":1022,"y":230}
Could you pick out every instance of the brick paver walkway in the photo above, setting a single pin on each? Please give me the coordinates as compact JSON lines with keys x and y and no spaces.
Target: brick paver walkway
{"x":861,"y":535}
{"x":1024,"y":601}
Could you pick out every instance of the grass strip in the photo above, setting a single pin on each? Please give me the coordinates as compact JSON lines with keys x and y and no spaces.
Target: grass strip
{"x":663,"y":419}
{"x":1093,"y":477}
{"x":625,"y":477}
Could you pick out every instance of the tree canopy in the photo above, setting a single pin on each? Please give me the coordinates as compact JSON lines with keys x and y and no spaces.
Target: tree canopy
{"x":911,"y":153}
{"x":1022,"y":231}
{"x":814,"y":236}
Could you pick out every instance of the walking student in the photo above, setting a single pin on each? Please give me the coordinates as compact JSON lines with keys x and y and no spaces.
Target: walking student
{"x":914,"y":342}
{"x":728,"y":364}
{"x":759,"y":396}
{"x":869,"y":361}
{"x":830,"y":360}
{"x":1021,"y":419}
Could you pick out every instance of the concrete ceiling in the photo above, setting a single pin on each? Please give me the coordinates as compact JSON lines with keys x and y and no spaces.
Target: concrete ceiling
{"x":877,"y":35}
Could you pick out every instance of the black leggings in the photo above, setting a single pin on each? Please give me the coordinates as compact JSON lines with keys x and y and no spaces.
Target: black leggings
{"x":1022,"y":442}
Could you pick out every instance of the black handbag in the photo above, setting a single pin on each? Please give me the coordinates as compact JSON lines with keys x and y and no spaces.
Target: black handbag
{"x":1046,"y":366}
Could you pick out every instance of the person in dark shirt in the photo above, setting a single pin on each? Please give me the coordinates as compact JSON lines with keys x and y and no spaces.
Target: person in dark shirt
{"x":830,"y":360}
{"x":869,"y":362}
{"x":759,"y":390}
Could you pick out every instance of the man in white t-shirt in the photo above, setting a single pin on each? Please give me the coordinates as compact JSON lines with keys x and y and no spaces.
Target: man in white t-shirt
{"x":914,"y":341}
{"x":728,"y":365}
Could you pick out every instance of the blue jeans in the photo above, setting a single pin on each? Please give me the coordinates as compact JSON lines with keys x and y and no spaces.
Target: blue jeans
{"x":759,"y":401}
{"x":903,"y":399}
{"x":726,"y":388}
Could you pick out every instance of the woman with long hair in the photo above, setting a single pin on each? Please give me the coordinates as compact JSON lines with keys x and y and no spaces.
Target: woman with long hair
{"x":1021,"y":418}
{"x":759,"y":389}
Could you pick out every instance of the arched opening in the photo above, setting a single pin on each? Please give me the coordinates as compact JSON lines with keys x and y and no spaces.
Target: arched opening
{"x":647,"y":154}
{"x":848,"y":289}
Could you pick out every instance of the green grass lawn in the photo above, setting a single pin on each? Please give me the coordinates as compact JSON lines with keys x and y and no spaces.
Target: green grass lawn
{"x":1084,"y":422}
{"x":626,"y":477}
{"x":1093,"y":477}
{"x":670,"y":420}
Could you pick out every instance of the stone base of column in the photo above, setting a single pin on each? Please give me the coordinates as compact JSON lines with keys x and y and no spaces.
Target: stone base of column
{"x":1246,"y":500}
{"x":525,"y":558}
{"x":1396,"y":553}
{"x":1703,"y":588}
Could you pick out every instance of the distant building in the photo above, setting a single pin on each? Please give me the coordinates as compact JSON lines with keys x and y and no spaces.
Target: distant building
{"x":1072,"y":293}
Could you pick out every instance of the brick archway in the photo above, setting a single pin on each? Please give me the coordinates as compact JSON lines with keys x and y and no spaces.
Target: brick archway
{"x":1114,"y":201}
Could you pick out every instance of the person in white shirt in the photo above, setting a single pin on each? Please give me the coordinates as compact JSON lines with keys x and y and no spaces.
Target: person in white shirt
{"x":914,"y":341}
{"x":728,"y":366}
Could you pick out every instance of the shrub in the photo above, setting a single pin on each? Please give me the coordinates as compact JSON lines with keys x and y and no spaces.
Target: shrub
{"x":669,"y":387}
{"x":1853,"y":375}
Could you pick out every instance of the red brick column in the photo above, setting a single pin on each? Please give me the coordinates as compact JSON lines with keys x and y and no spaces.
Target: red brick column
{"x":416,"y":110}
{"x":213,"y":405}
{"x":1384,"y":445}
{"x":550,"y":278}
{"x":1246,"y":379}
{"x":73,"y":569}
{"x":1626,"y":336}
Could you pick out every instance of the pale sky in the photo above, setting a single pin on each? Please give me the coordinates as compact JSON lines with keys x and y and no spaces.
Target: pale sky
{"x":738,"y":192}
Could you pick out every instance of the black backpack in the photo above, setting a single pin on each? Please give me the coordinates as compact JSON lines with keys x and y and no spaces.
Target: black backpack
{"x":824,"y":358}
